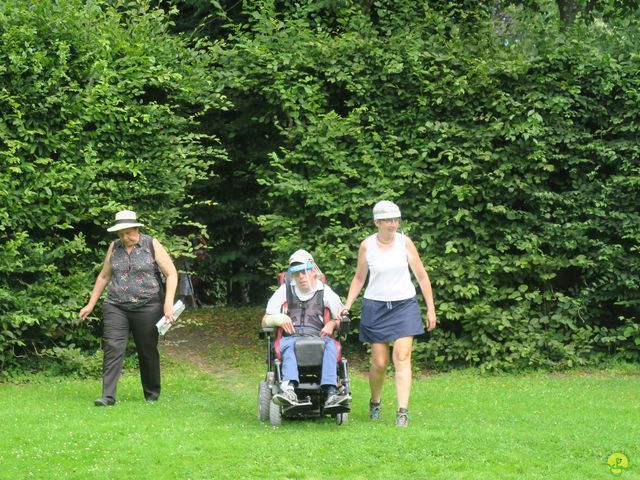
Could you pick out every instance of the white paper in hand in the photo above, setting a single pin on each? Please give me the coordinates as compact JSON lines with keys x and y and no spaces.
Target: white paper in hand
{"x":163,"y":325}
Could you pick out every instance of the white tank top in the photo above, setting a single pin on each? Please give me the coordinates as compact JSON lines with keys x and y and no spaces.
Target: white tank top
{"x":389,"y":276}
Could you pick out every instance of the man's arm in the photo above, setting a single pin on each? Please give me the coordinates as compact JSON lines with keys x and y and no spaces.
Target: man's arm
{"x":274,"y":317}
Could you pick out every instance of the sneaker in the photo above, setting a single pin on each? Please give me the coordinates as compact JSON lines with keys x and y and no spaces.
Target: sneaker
{"x":336,"y":400}
{"x":375,"y":410}
{"x":287,"y":397}
{"x":402,"y":418}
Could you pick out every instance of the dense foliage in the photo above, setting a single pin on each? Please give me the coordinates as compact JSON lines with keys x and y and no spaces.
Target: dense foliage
{"x":507,"y":135}
{"x":100,"y":111}
{"x":510,"y":145}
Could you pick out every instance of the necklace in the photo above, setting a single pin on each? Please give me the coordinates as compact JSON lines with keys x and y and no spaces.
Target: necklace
{"x":389,"y":242}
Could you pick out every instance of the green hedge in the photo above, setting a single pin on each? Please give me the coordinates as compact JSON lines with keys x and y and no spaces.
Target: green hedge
{"x":509,"y":144}
{"x":100,"y":111}
{"x":511,"y":149}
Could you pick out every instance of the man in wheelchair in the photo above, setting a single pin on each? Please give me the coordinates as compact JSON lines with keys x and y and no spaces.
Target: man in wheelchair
{"x":298,"y":308}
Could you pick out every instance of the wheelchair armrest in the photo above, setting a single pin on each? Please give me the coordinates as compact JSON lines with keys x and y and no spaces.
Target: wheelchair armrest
{"x":266,"y":332}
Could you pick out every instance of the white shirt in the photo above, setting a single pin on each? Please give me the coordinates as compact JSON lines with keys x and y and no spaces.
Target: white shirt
{"x":329,"y":297}
{"x":389,"y":276}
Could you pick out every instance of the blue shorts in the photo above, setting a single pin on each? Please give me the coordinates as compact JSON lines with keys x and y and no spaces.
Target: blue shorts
{"x":384,"y":322}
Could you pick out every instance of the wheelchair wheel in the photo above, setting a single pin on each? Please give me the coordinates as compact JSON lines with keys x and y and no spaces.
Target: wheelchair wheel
{"x":342,"y":418}
{"x":275,"y":414}
{"x":264,"y":399}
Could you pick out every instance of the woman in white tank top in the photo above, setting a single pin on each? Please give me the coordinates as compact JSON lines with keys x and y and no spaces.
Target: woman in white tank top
{"x":390,"y":311}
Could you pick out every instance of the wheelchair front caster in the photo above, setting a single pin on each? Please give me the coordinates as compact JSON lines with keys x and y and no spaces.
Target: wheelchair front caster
{"x":342,"y":418}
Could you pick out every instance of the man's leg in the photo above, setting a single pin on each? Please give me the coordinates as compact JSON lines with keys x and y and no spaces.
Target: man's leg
{"x":290,"y":374}
{"x":329,"y":363}
{"x":329,"y":377}
{"x":289,"y":360}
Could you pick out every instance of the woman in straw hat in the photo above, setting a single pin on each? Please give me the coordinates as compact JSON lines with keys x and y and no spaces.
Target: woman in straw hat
{"x":134,"y":302}
{"x":390,"y":311}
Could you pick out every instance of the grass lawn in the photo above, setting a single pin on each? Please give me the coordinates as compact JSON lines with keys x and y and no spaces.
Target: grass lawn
{"x":463,"y":426}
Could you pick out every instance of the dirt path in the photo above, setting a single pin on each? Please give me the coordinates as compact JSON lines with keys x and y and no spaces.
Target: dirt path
{"x":214,"y":338}
{"x":203,"y":337}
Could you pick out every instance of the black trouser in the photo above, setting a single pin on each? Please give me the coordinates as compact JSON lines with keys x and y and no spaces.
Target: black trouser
{"x":142,"y":323}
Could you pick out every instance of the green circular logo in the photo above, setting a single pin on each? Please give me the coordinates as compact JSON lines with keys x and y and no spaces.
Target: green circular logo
{"x":618,"y":463}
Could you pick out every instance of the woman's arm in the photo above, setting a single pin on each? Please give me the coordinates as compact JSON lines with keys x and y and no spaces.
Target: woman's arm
{"x":171,"y":275}
{"x":423,"y":280}
{"x":360,"y":276}
{"x":101,"y":282}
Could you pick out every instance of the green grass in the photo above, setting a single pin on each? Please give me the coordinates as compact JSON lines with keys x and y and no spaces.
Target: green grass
{"x":464,"y":425}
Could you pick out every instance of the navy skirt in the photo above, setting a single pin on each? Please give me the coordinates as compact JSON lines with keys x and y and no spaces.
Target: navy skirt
{"x":384,"y":322}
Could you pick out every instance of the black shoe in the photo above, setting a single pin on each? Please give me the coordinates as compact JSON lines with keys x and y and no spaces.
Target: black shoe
{"x":104,"y":402}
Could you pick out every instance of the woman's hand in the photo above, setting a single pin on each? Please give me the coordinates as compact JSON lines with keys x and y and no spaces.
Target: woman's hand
{"x":168,"y":313}
{"x":84,"y":313}
{"x":431,"y":320}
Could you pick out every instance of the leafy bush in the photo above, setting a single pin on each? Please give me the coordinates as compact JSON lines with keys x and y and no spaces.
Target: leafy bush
{"x":101,"y":111}
{"x":512,"y":153}
{"x":74,"y":361}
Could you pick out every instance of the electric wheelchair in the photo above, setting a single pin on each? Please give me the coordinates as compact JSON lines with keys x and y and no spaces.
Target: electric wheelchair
{"x":309,"y":352}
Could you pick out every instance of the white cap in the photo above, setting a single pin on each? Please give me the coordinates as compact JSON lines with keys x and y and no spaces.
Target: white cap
{"x":300,"y":256}
{"x":385,"y":209}
{"x":125,"y":219}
